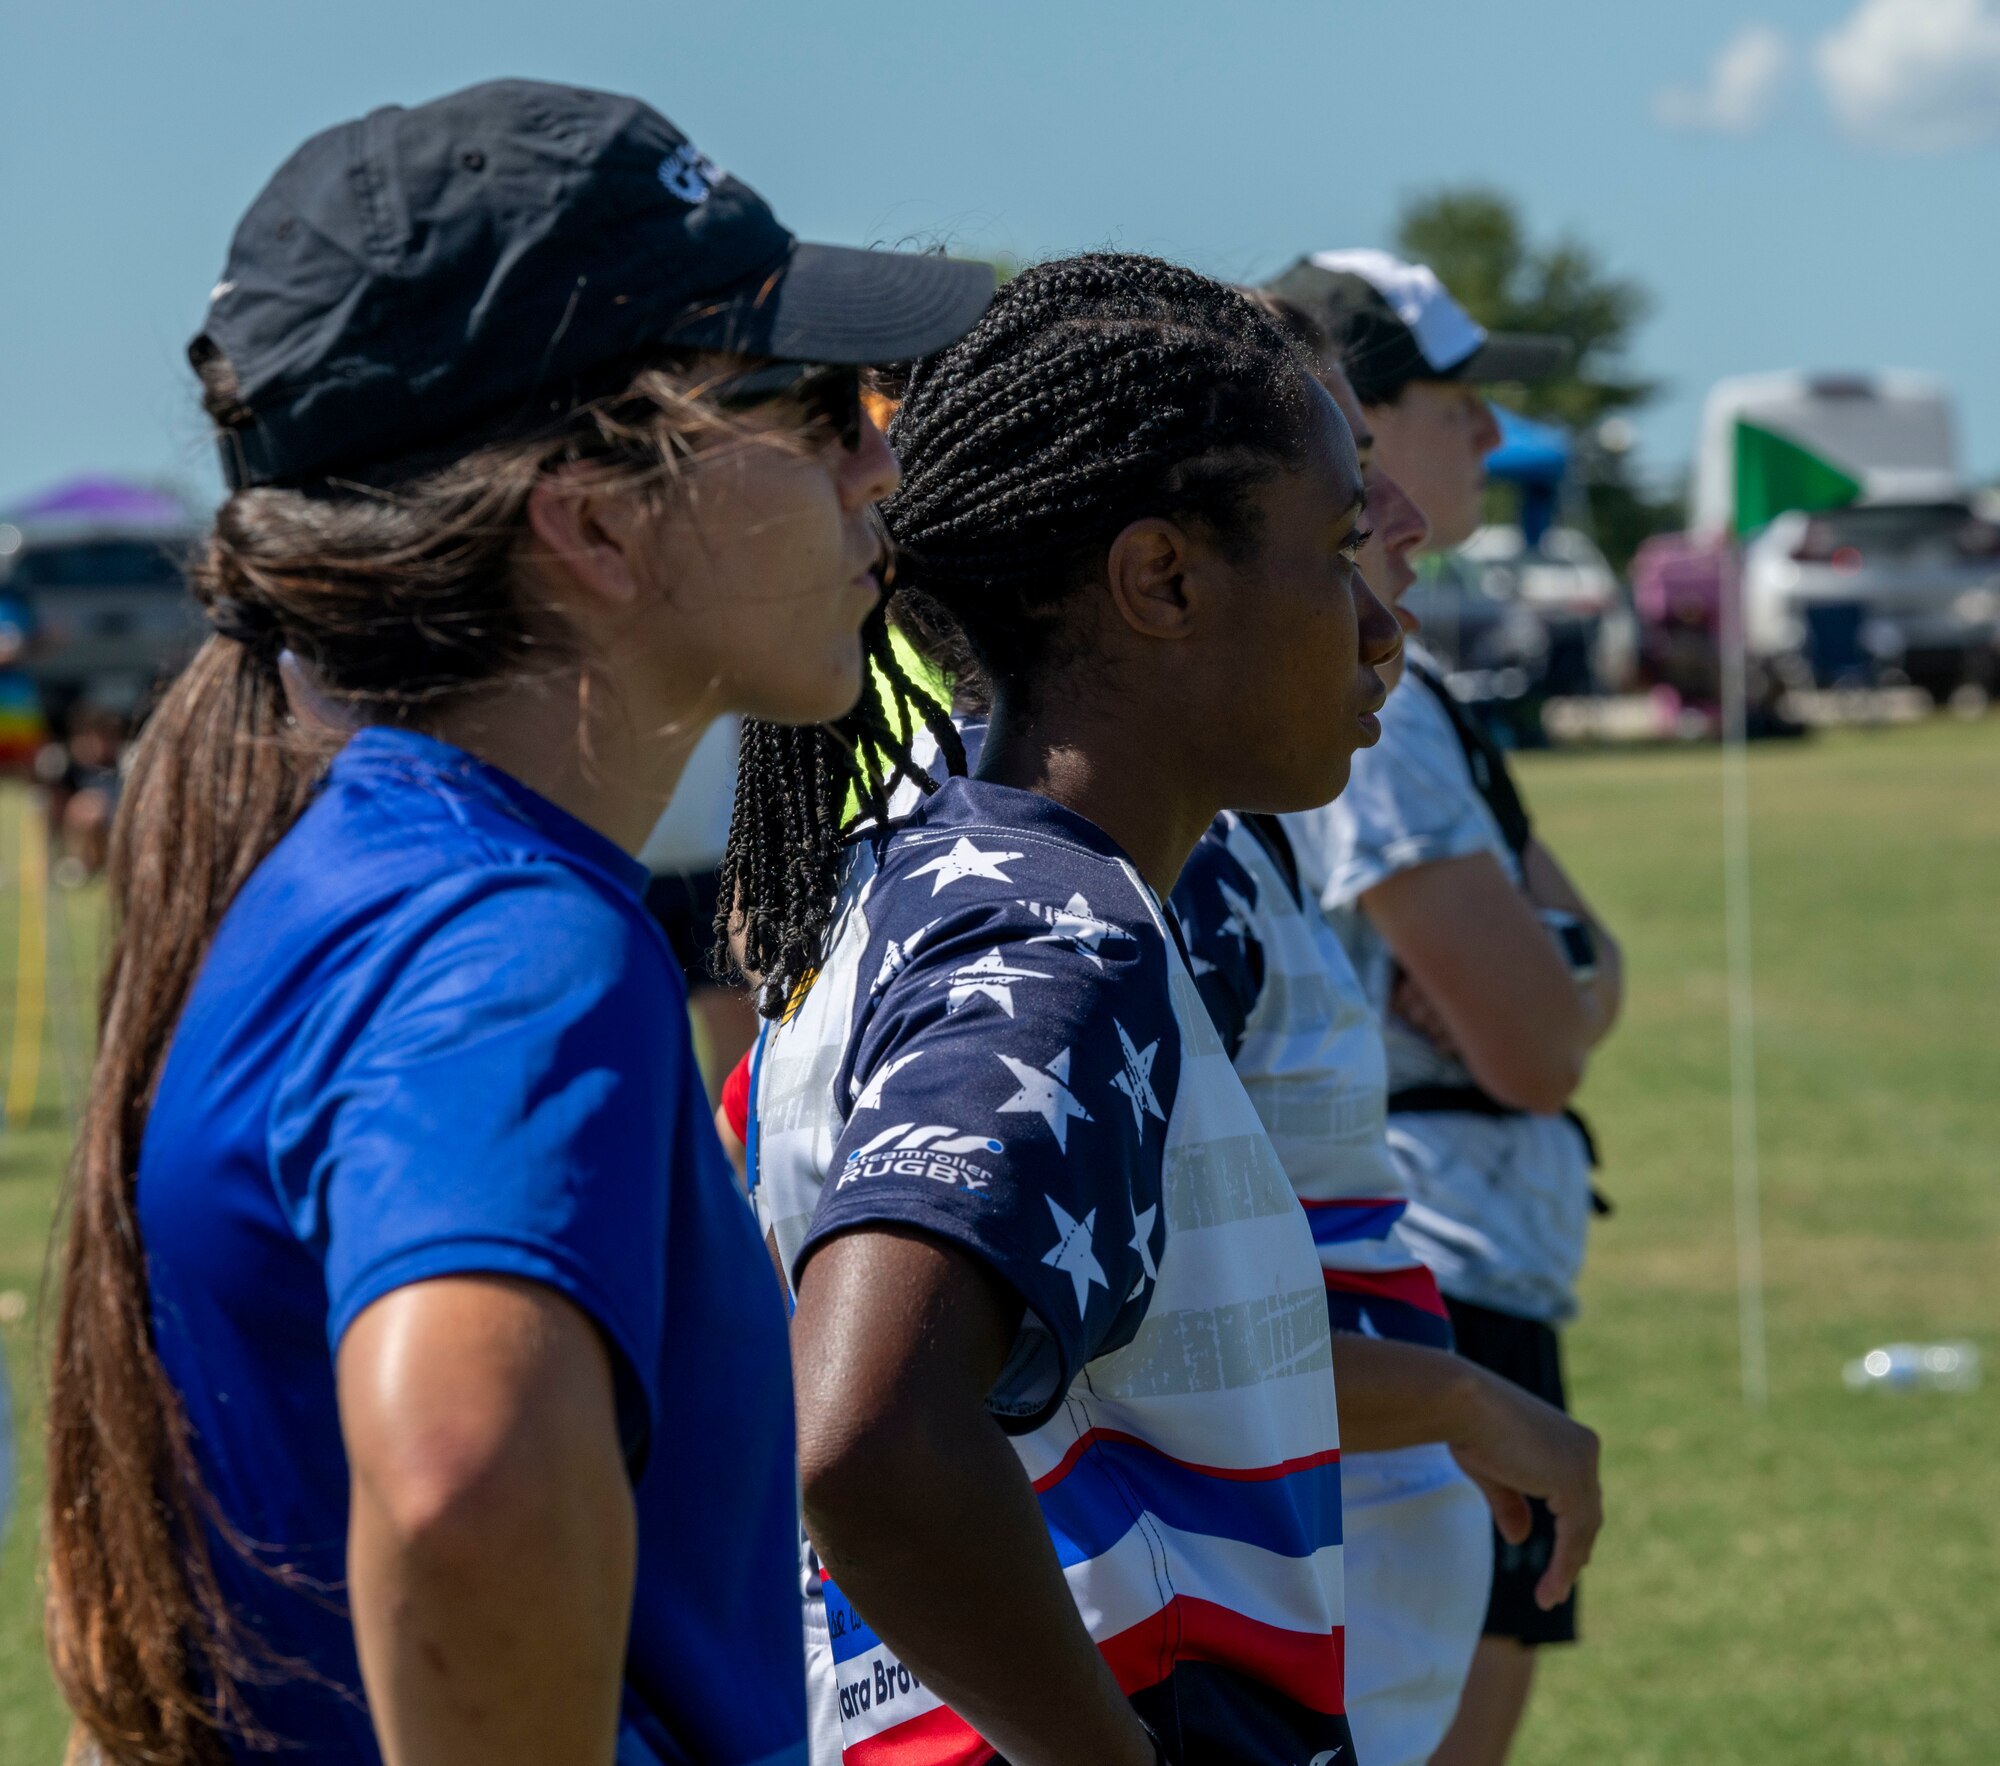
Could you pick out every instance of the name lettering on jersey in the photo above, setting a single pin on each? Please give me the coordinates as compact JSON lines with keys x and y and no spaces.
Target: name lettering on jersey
{"x":965,"y":860}
{"x":935,"y":1151}
{"x":870,"y":1095}
{"x":991,"y":977}
{"x":1075,"y":926}
{"x":1136,"y":1080}
{"x":1072,"y":1253}
{"x":1045,"y":1093}
{"x":890,"y":1680}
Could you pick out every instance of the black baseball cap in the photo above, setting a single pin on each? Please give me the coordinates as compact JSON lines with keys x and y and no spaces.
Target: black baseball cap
{"x":1393,"y":322}
{"x":493,"y":258}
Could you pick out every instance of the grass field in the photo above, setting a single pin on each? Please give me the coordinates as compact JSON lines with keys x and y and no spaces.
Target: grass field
{"x":1815,"y":1584}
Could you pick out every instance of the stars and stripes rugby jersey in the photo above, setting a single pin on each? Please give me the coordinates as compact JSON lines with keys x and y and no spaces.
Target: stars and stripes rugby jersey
{"x":1005,"y":1049}
{"x":1298,"y":1025}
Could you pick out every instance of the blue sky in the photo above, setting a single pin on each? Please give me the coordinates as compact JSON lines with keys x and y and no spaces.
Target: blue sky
{"x":1797,"y":206}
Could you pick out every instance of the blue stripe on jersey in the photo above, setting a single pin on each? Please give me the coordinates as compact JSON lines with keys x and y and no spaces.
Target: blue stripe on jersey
{"x":849,"y":1631}
{"x":1100,"y":1499}
{"x":1375,"y":1315}
{"x":1340,"y":1223}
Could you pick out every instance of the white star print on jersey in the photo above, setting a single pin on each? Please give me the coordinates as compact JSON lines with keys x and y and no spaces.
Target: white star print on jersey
{"x":1198,"y":965}
{"x":1072,"y":1253}
{"x":1142,"y":1239}
{"x":1046,"y":1094}
{"x":870,"y":1095}
{"x":1136,"y":1081}
{"x":896,"y":957}
{"x":1238,"y":925}
{"x":991,"y":977}
{"x":965,"y":860}
{"x":1074,"y":925}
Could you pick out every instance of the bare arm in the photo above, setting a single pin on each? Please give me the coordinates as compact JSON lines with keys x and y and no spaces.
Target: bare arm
{"x":492,"y":1537}
{"x":1510,"y":1442}
{"x":1472,"y":943}
{"x":1549,"y":886}
{"x":920,"y":1508}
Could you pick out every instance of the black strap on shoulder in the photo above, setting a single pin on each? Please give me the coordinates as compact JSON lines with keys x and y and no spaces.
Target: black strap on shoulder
{"x":1271,"y":835}
{"x":1488,"y":763}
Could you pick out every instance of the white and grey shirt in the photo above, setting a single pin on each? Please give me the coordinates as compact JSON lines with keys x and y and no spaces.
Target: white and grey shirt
{"x":1500,"y":1204}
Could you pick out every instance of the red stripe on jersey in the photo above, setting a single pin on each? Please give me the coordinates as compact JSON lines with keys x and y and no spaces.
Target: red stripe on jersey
{"x":1415,"y":1286}
{"x":1246,"y":1474}
{"x":937,"y":1738}
{"x":1306,"y":1668}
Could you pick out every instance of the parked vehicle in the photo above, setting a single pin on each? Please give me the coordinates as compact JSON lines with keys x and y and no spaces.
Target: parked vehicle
{"x":1882,"y":591}
{"x":1898,"y":583}
{"x":99,"y":565}
{"x":1519,"y":623}
{"x":1894,"y":434}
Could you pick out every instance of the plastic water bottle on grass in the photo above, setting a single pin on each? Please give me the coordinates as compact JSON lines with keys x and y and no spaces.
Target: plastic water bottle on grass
{"x":1916,"y":1367}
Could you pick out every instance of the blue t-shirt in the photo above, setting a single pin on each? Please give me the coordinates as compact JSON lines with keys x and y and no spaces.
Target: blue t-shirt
{"x":438,"y":1034}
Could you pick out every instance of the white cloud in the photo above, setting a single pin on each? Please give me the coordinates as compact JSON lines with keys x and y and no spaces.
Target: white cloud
{"x":1920,"y":75}
{"x":1742,"y":85}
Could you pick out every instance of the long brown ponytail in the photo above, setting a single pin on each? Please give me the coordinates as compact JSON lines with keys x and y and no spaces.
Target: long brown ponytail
{"x":395,"y":600}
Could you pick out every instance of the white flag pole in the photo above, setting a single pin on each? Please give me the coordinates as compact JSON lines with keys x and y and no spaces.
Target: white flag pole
{"x":1742,"y":1005}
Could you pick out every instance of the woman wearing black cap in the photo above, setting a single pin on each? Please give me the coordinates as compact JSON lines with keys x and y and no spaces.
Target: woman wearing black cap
{"x":420,"y":1393}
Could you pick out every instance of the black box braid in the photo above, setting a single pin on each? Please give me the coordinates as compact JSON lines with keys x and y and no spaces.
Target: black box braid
{"x":780,"y":870}
{"x":1096,"y":391}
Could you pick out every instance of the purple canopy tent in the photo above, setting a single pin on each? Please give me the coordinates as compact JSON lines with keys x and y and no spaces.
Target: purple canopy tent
{"x":90,"y":503}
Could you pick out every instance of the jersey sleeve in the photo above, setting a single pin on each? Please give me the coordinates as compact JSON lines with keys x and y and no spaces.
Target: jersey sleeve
{"x":507,"y":1104}
{"x":735,"y":1103}
{"x":1011,"y":1088}
{"x":1215,"y":902}
{"x":1410,"y":801}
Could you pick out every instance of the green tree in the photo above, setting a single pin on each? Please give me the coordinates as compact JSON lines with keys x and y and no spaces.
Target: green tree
{"x":1477,"y":243}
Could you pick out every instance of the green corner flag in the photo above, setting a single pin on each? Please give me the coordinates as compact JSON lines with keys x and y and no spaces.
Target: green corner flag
{"x":1774,"y":474}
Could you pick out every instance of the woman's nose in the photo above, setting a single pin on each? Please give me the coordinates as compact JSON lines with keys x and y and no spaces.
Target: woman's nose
{"x":869,"y":470}
{"x":1403,"y":526}
{"x":1381,"y":636}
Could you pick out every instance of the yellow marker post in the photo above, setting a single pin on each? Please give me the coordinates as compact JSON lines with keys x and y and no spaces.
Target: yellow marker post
{"x":31,"y":972}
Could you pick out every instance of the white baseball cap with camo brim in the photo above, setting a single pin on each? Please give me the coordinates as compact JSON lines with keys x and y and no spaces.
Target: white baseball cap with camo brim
{"x":1393,"y":322}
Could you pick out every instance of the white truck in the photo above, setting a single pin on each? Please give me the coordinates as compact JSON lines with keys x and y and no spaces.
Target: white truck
{"x":1904,"y":584}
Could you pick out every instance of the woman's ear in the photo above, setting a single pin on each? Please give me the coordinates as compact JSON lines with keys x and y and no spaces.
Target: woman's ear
{"x":1148,"y":569}
{"x":587,"y":543}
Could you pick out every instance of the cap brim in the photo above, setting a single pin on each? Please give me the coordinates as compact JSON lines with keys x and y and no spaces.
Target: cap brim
{"x":1517,"y":356}
{"x":832,"y":303}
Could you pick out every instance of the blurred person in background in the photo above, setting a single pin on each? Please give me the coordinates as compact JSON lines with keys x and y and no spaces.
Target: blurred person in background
{"x":1493,"y":977}
{"x":408,"y":1311}
{"x":81,"y":776}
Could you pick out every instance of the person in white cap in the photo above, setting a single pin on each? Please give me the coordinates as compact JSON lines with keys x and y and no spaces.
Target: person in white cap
{"x":1493,"y":976}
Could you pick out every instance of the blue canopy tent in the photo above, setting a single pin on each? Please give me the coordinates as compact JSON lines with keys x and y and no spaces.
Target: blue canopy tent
{"x":1535,"y":458}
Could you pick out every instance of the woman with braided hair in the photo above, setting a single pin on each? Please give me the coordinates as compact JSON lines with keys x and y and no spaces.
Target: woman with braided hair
{"x":388,"y":1420}
{"x":1067,"y":1425}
